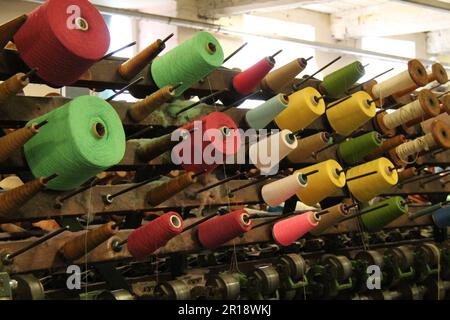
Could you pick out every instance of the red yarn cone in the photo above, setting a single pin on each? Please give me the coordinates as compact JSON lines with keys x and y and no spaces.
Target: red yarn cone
{"x":145,"y":240}
{"x":247,"y":81}
{"x":222,"y":229}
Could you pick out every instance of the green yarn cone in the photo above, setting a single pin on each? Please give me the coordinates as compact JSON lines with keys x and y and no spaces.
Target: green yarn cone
{"x":356,"y":149}
{"x":338,"y":82}
{"x":377,"y":219}
{"x":188,"y":63}
{"x":262,"y":115}
{"x":81,"y":139}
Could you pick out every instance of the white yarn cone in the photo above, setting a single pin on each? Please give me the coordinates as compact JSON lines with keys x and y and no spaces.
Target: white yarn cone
{"x":277,"y":192}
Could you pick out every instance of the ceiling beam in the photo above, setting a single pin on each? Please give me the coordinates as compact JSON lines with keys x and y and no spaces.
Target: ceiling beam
{"x":221,"y":8}
{"x":387,"y":19}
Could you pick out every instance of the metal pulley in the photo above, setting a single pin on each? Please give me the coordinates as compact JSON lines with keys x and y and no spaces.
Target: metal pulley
{"x":341,"y":265}
{"x":227,"y":284}
{"x":403,"y":256}
{"x":295,"y":264}
{"x":372,"y":257}
{"x":173,"y":290}
{"x":268,"y":278}
{"x":430,"y":253}
{"x":120,"y":294}
{"x":28,"y":288}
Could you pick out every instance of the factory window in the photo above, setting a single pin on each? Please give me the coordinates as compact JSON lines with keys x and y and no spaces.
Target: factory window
{"x":259,"y":47}
{"x":395,"y":47}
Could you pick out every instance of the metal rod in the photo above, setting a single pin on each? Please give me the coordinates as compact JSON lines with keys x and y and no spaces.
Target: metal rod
{"x":321,"y":213}
{"x":296,"y":86}
{"x":125,"y":88}
{"x":237,"y":103}
{"x":82,"y":189}
{"x":423,"y":177}
{"x":378,"y":75}
{"x":276,"y":53}
{"x":9,"y":257}
{"x":41,"y":124}
{"x":258,"y":180}
{"x":235,"y":52}
{"x":362,"y":176}
{"x":49,"y":178}
{"x":361,"y":212}
{"x":281,"y":217}
{"x":434,"y":179}
{"x":238,"y":175}
{"x":335,"y":103}
{"x":167,"y":38}
{"x":29,"y":74}
{"x":310,"y":173}
{"x":118,"y":50}
{"x":211,"y":96}
{"x":309,"y":58}
{"x":200,"y":222}
{"x":109,"y":197}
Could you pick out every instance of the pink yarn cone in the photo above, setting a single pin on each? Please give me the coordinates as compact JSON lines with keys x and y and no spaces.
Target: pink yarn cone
{"x":289,"y":230}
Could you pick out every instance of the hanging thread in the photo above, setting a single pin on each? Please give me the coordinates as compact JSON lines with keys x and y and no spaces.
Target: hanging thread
{"x":352,"y":113}
{"x":303,"y":108}
{"x":277,"y":192}
{"x":306,"y":147}
{"x":82,"y":244}
{"x":334,"y":215}
{"x":83,"y":137}
{"x":216,"y":139}
{"x":222,"y":229}
{"x":261,"y":116}
{"x":276,"y":80}
{"x":267,"y":153}
{"x":416,"y":74}
{"x":153,"y":235}
{"x":371,"y":185}
{"x":354,"y":150}
{"x":188,"y":63}
{"x":425,"y":104}
{"x":287,"y":231}
{"x":378,"y":218}
{"x":62,"y":54}
{"x":328,"y":180}
{"x":248,"y":80}
{"x":337,"y":83}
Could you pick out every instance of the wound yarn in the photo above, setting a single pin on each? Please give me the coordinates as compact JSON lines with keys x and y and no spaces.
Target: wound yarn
{"x":188,"y":63}
{"x":82,"y":138}
{"x":153,"y":235}
{"x":246,"y":81}
{"x":221,"y":229}
{"x":286,"y":231}
{"x":61,"y":45}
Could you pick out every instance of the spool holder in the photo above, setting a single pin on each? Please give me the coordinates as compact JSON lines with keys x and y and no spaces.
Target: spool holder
{"x":304,"y":80}
{"x":8,"y":258}
{"x":109,"y":198}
